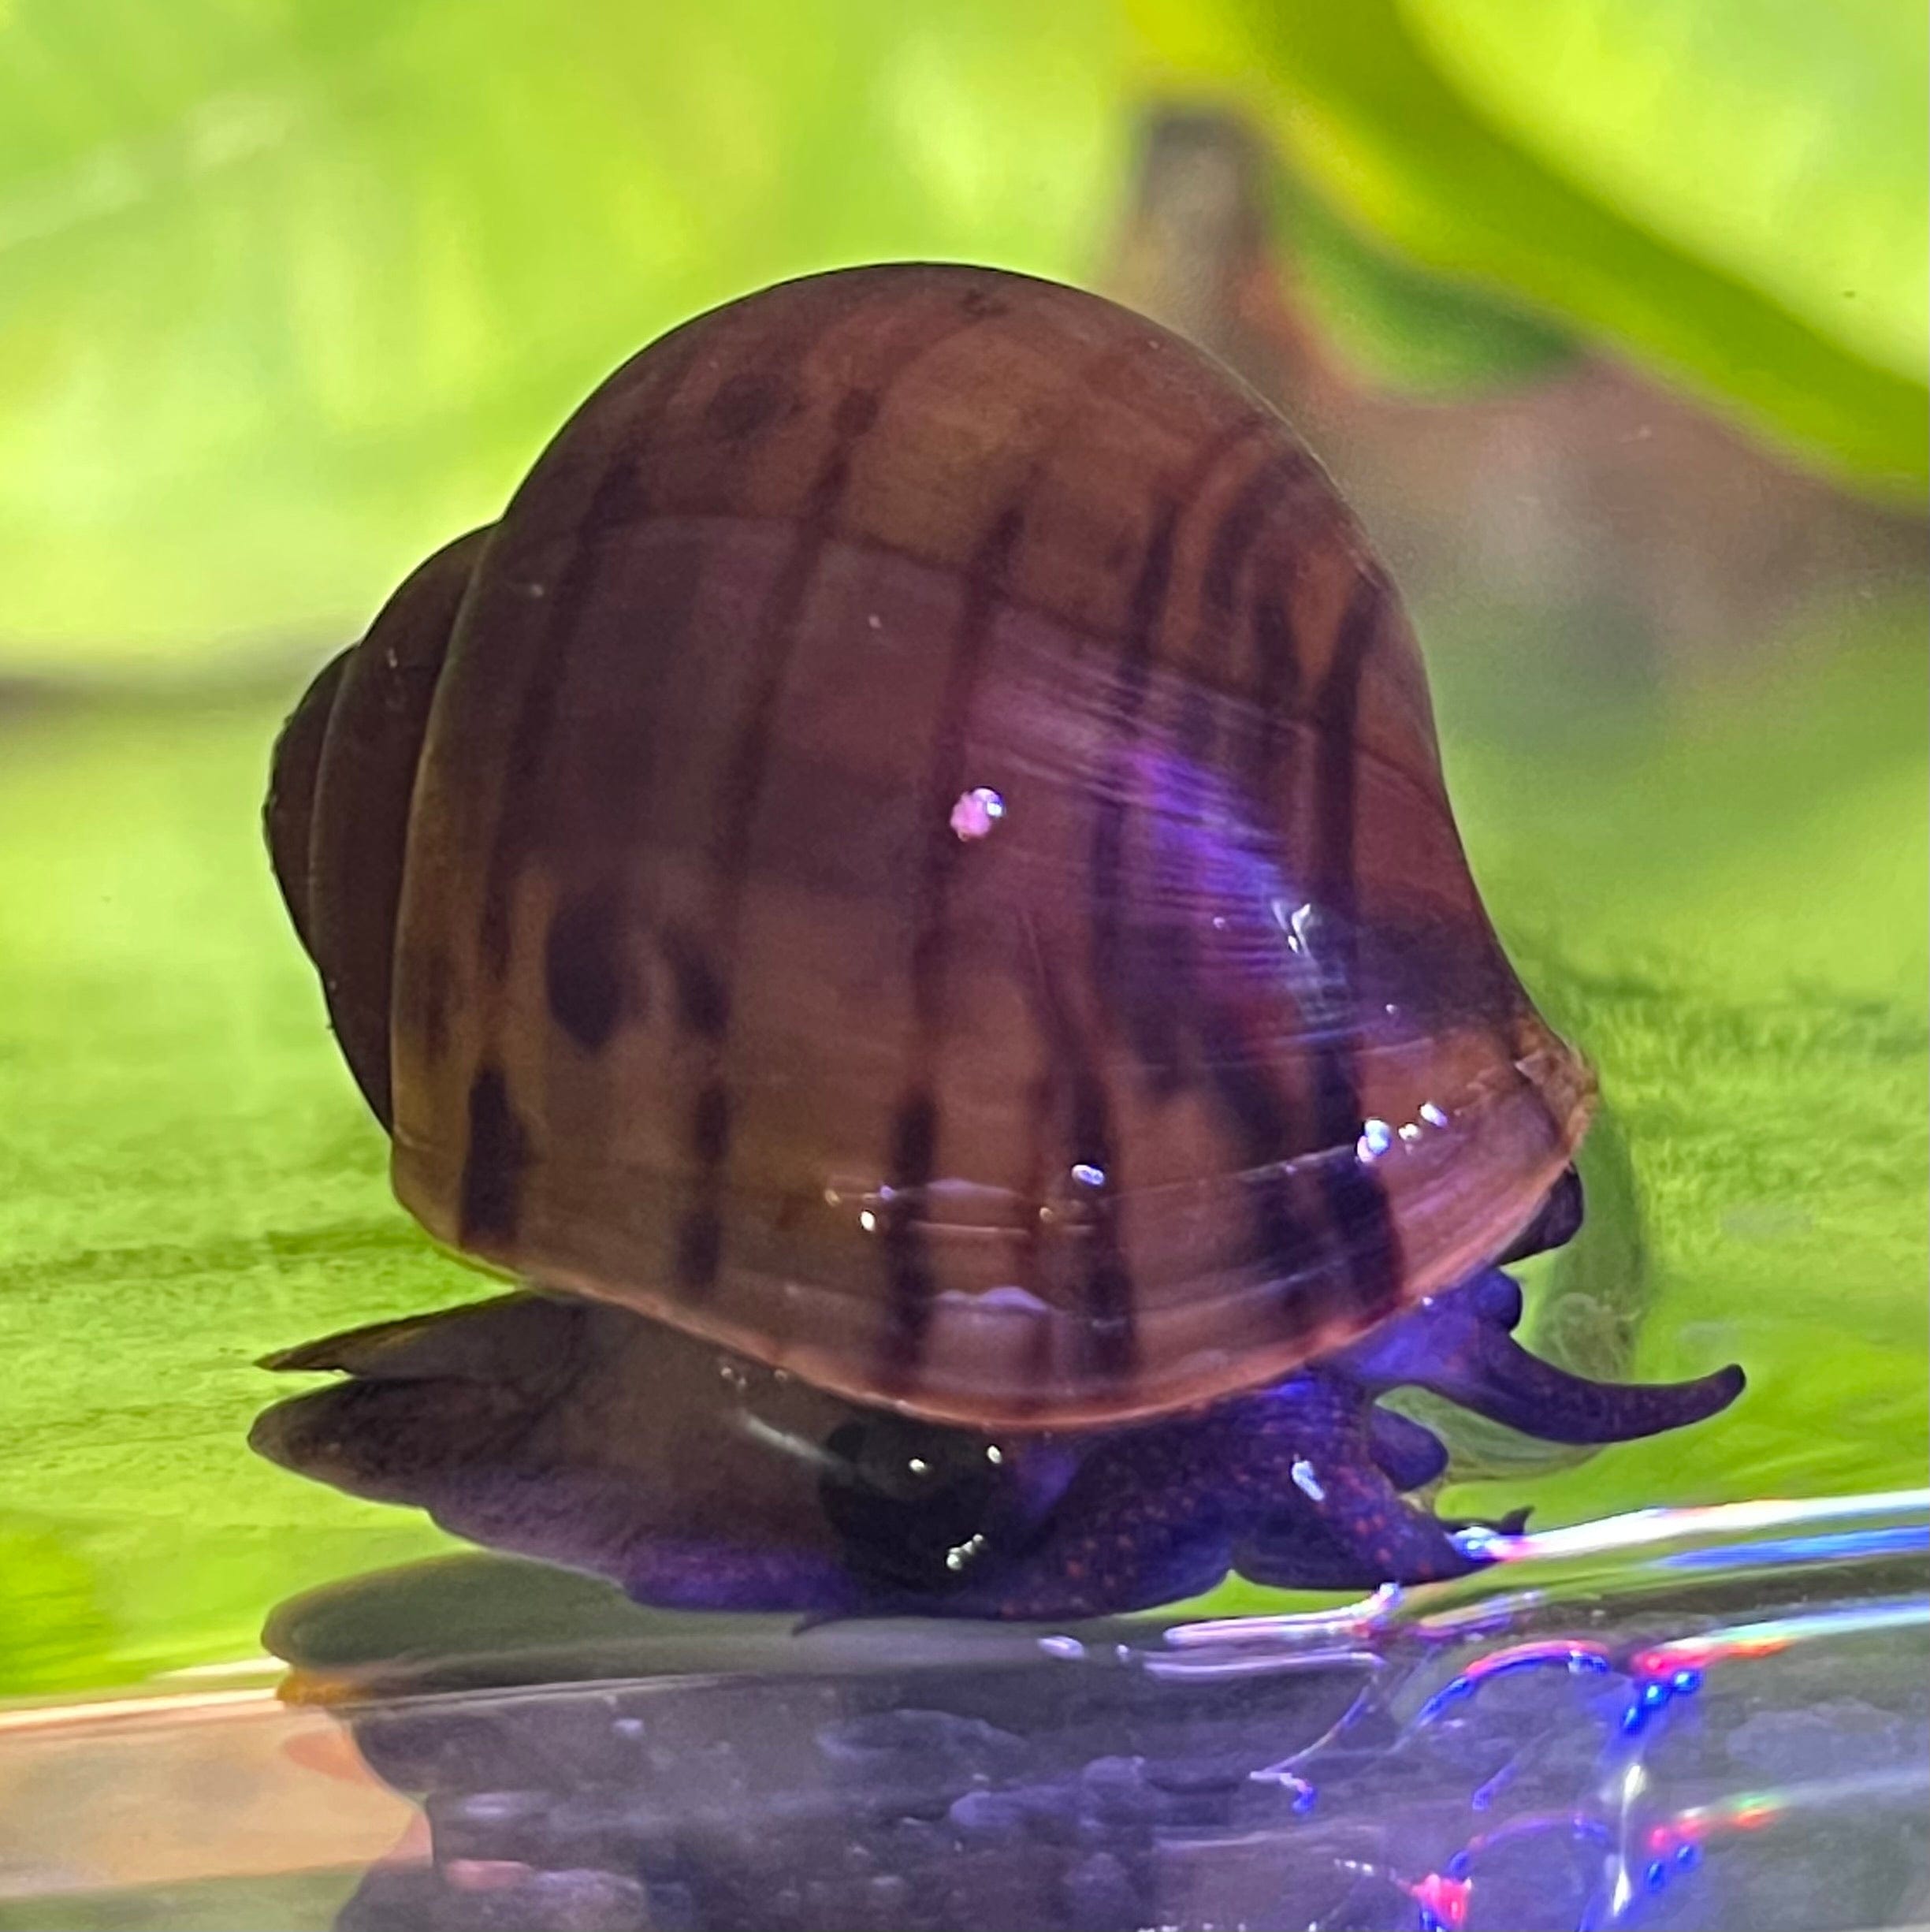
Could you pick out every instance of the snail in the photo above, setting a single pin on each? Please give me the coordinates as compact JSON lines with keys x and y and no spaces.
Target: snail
{"x":907,"y":884}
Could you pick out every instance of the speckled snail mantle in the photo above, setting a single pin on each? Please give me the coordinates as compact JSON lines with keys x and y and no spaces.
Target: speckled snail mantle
{"x":914,"y":861}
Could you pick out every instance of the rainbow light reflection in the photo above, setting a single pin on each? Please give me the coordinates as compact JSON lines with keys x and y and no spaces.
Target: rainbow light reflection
{"x":1776,"y":1634}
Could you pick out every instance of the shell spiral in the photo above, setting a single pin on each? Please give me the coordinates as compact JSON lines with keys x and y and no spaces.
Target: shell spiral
{"x":916,"y":850}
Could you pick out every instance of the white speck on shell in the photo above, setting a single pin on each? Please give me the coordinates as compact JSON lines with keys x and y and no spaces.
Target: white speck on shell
{"x":977,"y":813}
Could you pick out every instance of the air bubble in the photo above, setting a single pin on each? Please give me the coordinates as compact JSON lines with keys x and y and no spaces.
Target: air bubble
{"x":976,"y":812}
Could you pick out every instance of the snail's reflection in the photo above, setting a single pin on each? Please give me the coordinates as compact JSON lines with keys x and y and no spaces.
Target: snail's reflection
{"x":585,"y":1763}
{"x":556,"y":1428}
{"x":577,"y":1432}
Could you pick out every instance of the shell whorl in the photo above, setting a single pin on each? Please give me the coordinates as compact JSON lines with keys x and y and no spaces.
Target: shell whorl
{"x":1195,"y":1061}
{"x":343,"y":775}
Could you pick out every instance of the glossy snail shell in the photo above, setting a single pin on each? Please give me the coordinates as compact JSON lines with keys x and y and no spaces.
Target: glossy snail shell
{"x":916,"y":850}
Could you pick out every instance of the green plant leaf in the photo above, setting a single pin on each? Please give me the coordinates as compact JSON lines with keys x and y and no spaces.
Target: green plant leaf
{"x":291,"y":291}
{"x":1359,"y":102}
{"x":1785,"y":143}
{"x":1404,"y":328}
{"x":186,"y":1181}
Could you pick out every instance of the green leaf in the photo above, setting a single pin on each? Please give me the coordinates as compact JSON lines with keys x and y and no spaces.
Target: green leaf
{"x":186,"y":1181}
{"x":1359,"y":102}
{"x":1786,"y":143}
{"x":1400,"y":326}
{"x":291,"y":291}
{"x":53,"y":1631}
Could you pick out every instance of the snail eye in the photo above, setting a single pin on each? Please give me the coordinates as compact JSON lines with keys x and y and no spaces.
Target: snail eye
{"x":915,"y":1504}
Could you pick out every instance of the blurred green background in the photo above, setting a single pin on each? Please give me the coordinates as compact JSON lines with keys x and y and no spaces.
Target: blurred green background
{"x":1610,"y":319}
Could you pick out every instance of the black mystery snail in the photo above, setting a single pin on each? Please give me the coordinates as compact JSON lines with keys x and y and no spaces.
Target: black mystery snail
{"x":907,"y":885}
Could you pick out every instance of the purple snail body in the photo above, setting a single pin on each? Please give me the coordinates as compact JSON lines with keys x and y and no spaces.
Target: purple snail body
{"x":907,"y":884}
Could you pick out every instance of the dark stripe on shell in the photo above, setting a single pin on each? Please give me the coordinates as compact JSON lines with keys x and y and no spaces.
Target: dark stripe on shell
{"x":747,"y":404}
{"x":1246,"y":1081}
{"x":1111,"y":1333}
{"x":1141,"y":977}
{"x":1257,"y":1111}
{"x":1145,"y":614}
{"x":700,"y":1246}
{"x":620,"y":496}
{"x":490,"y":1201}
{"x":1107,"y":1293}
{"x":710,"y":1124}
{"x":1356,"y":1204}
{"x":1241,"y":525}
{"x":703,"y":998}
{"x":1106,"y":883}
{"x":914,"y":1147}
{"x":1277,"y":654}
{"x":908,"y":1274}
{"x":1260,"y":1127}
{"x":586,"y":981}
{"x":422,"y":1000}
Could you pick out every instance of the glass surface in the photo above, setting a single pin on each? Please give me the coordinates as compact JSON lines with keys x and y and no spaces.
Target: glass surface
{"x":1700,"y":1719}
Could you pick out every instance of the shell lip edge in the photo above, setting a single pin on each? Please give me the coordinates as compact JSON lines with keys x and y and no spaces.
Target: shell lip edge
{"x":827,"y":1352}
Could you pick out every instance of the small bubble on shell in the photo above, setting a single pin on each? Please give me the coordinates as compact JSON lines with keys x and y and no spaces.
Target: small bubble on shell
{"x":976,"y":812}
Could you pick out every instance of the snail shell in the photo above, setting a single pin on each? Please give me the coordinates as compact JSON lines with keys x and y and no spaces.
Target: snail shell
{"x":916,"y":850}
